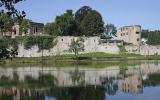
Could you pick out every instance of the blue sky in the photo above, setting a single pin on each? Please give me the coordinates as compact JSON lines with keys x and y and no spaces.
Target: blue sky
{"x":118,"y":12}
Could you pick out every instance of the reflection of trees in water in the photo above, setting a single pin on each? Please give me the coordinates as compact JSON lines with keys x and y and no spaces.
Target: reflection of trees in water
{"x":29,"y":89}
{"x":30,"y":94}
{"x":156,"y":62}
{"x":78,"y":77}
{"x":7,"y":81}
{"x":110,"y":85}
{"x":44,"y":80}
{"x":36,"y":88}
{"x":60,"y":93}
{"x":123,"y":72}
{"x":5,"y":97}
{"x":79,"y":93}
{"x":152,"y":80}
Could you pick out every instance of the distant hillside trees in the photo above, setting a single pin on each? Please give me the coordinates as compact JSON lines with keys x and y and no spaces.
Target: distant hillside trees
{"x":85,"y":21}
{"x":153,"y":37}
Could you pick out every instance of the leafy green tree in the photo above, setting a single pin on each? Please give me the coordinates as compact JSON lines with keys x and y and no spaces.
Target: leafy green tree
{"x":77,"y":77}
{"x":153,"y":37}
{"x":84,"y":22}
{"x":77,"y":45}
{"x":24,"y":25}
{"x":90,"y":21}
{"x":7,"y":13}
{"x":49,"y":29}
{"x":65,"y":24}
{"x":145,"y":34}
{"x":6,"y":23}
{"x":92,"y":24}
{"x":8,"y":7}
{"x":81,"y":13}
{"x":8,"y":48}
{"x":45,"y":42}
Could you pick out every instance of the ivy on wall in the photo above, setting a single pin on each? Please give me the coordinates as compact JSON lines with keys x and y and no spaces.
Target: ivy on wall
{"x":7,"y":42}
{"x":43,"y":42}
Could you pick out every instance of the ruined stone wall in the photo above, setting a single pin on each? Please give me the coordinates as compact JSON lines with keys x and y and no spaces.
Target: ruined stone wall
{"x":91,"y":44}
{"x":144,"y":49}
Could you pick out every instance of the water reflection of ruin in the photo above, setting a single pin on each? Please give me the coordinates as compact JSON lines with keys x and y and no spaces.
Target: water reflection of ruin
{"x":108,"y":80}
{"x":131,"y":84}
{"x":88,"y":76}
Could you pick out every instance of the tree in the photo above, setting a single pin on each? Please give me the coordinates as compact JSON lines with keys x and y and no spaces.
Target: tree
{"x":77,"y":45}
{"x":8,"y":48}
{"x":77,"y":77}
{"x":145,"y":34}
{"x":24,"y":25}
{"x":8,"y":7}
{"x":92,"y":24}
{"x":7,"y":13}
{"x":90,"y":21}
{"x":6,"y":23}
{"x":81,"y":13}
{"x":49,"y":29}
{"x":65,"y":24}
{"x":153,"y":37}
{"x":85,"y":22}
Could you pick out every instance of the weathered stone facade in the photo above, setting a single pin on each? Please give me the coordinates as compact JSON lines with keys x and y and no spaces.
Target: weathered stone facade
{"x":91,"y":44}
{"x":130,"y":34}
{"x":144,"y":49}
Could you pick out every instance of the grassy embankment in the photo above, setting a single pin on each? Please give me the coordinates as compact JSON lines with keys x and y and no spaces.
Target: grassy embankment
{"x":82,"y":60}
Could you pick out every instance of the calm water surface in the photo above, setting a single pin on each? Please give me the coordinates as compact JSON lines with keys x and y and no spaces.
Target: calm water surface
{"x":137,"y":82}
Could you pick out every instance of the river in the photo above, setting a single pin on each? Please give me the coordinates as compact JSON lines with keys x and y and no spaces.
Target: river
{"x":139,"y":81}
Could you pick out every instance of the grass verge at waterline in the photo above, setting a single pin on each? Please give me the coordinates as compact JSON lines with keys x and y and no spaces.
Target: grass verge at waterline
{"x":82,"y":60}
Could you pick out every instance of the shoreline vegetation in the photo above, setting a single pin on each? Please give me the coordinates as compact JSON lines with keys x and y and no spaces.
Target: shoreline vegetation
{"x":98,"y":59}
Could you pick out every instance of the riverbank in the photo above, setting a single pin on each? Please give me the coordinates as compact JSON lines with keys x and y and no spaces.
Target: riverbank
{"x":82,"y":60}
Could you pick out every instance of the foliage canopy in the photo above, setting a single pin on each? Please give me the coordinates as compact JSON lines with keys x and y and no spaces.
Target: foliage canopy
{"x":153,"y":37}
